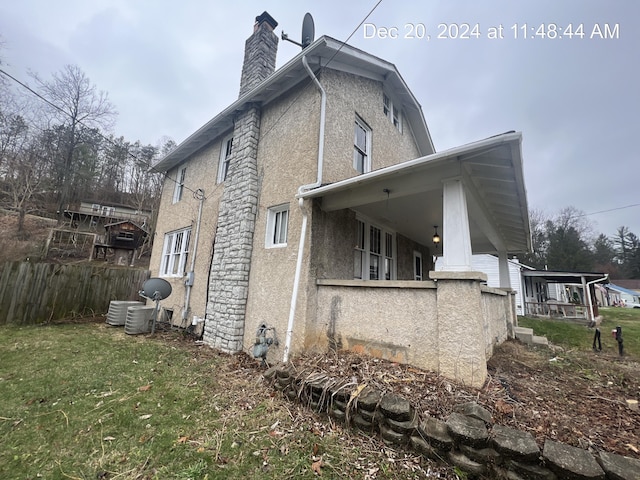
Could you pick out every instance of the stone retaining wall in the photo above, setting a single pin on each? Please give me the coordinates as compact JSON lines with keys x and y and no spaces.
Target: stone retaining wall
{"x":467,"y":439}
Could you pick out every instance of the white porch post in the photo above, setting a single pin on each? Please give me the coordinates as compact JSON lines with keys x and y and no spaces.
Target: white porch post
{"x":503,"y":268}
{"x":456,"y":239}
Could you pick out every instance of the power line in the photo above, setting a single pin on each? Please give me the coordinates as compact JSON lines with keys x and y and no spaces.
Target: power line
{"x":608,"y":210}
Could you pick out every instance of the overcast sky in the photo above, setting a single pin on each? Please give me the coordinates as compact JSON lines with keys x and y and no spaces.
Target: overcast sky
{"x":169,"y":67}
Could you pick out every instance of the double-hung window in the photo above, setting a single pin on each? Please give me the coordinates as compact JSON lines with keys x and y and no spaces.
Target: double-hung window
{"x":175,"y":252}
{"x":277,"y":226}
{"x":374,"y":253}
{"x":225,"y":156}
{"x":179,"y":187}
{"x":392,"y":111}
{"x":362,"y":147}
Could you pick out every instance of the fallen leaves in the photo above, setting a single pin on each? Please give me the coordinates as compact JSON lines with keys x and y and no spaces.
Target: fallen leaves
{"x":144,"y":388}
{"x":316,"y":466}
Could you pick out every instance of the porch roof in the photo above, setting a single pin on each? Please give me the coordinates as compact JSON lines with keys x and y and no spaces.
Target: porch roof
{"x":407,"y":197}
{"x":567,"y":277}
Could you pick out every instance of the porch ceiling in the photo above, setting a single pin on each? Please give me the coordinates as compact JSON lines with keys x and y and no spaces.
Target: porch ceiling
{"x":408,"y":197}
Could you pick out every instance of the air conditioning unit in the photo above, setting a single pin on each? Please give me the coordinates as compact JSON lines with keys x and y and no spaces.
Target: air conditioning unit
{"x":117,"y":314}
{"x":139,"y":319}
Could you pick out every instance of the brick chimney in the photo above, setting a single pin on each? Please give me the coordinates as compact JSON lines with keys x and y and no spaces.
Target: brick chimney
{"x":260,"y":52}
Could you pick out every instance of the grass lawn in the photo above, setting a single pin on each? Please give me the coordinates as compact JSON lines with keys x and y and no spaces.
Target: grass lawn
{"x":86,"y":401}
{"x":579,"y":337}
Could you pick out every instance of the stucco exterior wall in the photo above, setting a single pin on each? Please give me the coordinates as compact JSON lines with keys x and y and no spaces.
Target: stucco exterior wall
{"x":349,"y":96}
{"x":405,"y":249}
{"x":287,"y":158}
{"x":201,"y":173}
{"x":333,"y":238}
{"x":387,"y":319}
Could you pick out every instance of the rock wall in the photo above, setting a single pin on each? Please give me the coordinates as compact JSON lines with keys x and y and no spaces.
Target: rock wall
{"x":467,"y":439}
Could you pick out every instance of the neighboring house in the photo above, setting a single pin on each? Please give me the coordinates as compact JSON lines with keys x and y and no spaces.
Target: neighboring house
{"x":91,"y":215}
{"x":489,"y":265}
{"x":629,"y":284}
{"x":628,"y":298}
{"x":310,"y":205}
{"x":563,"y":294}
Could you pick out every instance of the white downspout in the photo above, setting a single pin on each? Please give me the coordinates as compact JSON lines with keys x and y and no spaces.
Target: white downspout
{"x":588,"y":284}
{"x":199,"y":193}
{"x":303,"y":229}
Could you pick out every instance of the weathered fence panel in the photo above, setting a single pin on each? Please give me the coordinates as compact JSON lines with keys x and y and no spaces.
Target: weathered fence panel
{"x":32,"y":293}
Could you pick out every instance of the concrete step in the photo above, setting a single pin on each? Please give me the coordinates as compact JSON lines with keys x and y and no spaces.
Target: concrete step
{"x":524,"y":334}
{"x":540,"y":341}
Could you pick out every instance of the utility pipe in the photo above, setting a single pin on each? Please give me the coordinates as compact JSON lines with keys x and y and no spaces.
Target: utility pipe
{"x":303,"y":229}
{"x":199,"y":194}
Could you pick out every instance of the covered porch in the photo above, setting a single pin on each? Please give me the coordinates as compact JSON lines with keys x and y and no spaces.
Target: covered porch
{"x":455,"y":203}
{"x":568,"y":295}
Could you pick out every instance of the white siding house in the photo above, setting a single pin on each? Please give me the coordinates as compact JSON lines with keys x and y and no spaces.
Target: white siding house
{"x":488,"y":264}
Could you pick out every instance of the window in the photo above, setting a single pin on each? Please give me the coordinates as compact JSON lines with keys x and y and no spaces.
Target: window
{"x":359,"y":252}
{"x":417,"y":265}
{"x":225,"y":156}
{"x":177,"y":191}
{"x":174,"y":253}
{"x":374,"y":253}
{"x":108,"y":211}
{"x":392,"y":112}
{"x":277,"y":226}
{"x":362,"y":147}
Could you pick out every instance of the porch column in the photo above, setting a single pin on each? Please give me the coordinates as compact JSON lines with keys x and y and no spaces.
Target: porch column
{"x":462,"y":342}
{"x":503,"y":268}
{"x":456,"y":239}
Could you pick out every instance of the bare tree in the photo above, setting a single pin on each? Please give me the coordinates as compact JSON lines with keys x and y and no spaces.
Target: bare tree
{"x":76,"y":105}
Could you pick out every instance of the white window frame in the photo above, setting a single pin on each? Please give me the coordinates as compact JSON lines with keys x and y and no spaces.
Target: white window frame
{"x":175,"y":253}
{"x":365,"y":252}
{"x":392,"y":111}
{"x":179,"y":187}
{"x":362,"y":150}
{"x":277,"y":226}
{"x":417,"y":260}
{"x":226,"y":149}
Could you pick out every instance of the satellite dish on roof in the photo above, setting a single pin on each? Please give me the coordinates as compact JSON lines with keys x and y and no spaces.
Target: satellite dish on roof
{"x":308,"y":32}
{"x":155,"y":289}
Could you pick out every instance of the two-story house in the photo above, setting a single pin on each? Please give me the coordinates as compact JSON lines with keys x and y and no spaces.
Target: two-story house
{"x":314,"y":204}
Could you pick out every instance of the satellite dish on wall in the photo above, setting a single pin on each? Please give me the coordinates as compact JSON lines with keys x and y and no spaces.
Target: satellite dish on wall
{"x":308,"y":32}
{"x":155,"y":289}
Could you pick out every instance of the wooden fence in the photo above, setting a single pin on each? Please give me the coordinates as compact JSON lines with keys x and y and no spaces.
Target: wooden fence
{"x":32,"y":293}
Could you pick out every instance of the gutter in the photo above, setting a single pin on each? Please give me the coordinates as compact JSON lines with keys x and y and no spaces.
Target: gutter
{"x":305,"y":213}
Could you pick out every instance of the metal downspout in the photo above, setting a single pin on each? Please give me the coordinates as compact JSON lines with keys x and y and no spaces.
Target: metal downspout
{"x":588,"y":284}
{"x":199,"y":194}
{"x":303,"y":229}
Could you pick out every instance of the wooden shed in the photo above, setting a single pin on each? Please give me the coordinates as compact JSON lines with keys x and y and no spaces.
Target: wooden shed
{"x":124,"y":238}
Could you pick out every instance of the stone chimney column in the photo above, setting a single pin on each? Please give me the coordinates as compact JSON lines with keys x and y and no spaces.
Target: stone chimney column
{"x":233,"y":245}
{"x":259,"y":53}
